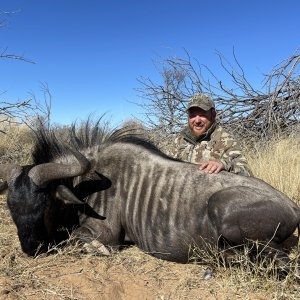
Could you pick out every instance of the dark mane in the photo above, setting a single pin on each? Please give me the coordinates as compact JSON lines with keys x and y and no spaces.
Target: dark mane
{"x":53,"y":143}
{"x":47,"y":145}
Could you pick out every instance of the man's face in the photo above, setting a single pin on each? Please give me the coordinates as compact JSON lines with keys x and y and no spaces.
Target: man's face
{"x":200,"y":120}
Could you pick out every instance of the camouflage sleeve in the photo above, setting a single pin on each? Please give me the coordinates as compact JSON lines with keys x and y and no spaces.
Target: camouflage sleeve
{"x":233,"y":159}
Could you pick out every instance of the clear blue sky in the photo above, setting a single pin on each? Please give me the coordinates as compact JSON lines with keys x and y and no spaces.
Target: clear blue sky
{"x":91,"y":52}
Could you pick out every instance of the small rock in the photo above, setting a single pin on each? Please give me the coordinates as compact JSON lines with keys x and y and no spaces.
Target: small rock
{"x":208,"y":274}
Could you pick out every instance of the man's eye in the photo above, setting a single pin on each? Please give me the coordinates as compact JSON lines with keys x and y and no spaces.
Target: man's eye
{"x":195,"y":115}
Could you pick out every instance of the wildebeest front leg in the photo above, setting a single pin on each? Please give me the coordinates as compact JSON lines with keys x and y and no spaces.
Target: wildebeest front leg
{"x":96,"y":237}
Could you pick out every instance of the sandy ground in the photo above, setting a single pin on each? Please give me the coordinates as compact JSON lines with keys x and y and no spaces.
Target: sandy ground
{"x":128,"y":276}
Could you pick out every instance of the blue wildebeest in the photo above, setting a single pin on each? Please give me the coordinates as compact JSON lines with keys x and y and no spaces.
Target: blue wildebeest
{"x":116,"y":186}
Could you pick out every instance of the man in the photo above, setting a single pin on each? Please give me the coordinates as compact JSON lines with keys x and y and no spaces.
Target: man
{"x":207,"y":144}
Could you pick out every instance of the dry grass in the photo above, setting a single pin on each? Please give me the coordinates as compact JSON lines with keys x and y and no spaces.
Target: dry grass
{"x":132,"y":274}
{"x":278,"y":163}
{"x":15,"y":145}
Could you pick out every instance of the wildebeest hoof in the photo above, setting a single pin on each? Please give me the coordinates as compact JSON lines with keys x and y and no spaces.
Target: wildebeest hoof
{"x":208,"y":274}
{"x":95,"y":248}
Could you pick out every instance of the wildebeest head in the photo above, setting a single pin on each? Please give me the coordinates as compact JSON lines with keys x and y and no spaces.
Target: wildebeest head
{"x":32,"y":198}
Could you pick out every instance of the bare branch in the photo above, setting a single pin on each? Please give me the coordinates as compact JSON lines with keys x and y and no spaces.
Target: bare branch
{"x":250,"y":112}
{"x":4,"y":55}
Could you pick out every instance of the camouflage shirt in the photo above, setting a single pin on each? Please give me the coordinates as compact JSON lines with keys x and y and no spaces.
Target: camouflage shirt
{"x":216,"y":144}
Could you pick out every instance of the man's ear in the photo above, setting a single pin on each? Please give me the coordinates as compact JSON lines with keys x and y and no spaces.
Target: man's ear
{"x":213,"y":114}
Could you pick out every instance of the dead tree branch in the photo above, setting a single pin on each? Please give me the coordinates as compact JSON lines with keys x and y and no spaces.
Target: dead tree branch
{"x":14,"y":111}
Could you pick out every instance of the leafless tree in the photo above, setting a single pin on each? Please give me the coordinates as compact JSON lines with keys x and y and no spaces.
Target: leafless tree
{"x":14,"y":111}
{"x":243,"y":108}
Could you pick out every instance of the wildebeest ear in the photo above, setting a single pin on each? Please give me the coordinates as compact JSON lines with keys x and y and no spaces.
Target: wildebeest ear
{"x":3,"y":187}
{"x":64,"y":194}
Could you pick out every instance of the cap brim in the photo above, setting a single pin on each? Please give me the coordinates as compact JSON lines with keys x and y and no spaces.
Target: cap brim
{"x":204,"y":107}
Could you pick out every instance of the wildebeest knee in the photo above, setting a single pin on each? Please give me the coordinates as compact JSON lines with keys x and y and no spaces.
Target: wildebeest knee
{"x":88,"y":234}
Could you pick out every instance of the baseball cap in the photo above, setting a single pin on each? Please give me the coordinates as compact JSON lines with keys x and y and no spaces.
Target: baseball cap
{"x":201,"y":100}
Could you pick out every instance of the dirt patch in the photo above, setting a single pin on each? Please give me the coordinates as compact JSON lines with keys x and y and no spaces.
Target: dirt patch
{"x":128,"y":275}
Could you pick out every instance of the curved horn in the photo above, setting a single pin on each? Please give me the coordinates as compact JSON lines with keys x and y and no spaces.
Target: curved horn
{"x":10,"y":171}
{"x":64,"y":194}
{"x":43,"y":173}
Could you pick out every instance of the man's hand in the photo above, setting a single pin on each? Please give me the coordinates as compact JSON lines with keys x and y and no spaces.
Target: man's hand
{"x":211,"y":166}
